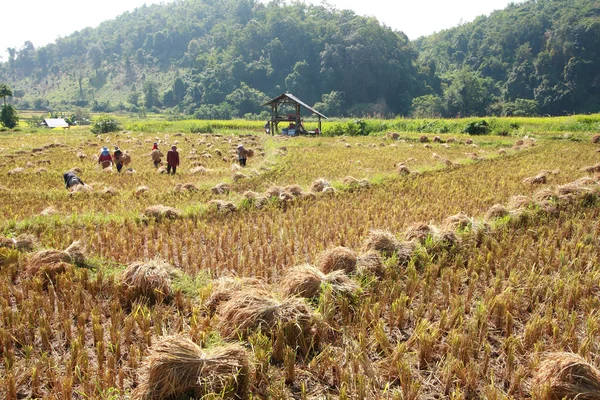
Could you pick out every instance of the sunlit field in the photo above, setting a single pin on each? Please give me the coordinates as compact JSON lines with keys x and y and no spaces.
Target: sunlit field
{"x":400,"y":265}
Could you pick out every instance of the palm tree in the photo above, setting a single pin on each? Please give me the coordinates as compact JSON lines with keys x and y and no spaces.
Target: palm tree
{"x":5,"y":91}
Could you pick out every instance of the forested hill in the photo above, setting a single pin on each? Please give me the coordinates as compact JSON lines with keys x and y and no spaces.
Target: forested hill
{"x":223,"y":58}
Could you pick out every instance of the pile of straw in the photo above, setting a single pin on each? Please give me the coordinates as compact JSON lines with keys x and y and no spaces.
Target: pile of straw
{"x":23,"y":242}
{"x":159,"y":212}
{"x":220,"y":188}
{"x":75,"y":253}
{"x":393,"y":135}
{"x":16,"y":171}
{"x":424,"y":139}
{"x":496,"y":211}
{"x":48,"y":211}
{"x":596,"y":138}
{"x":126,"y":159}
{"x":457,"y":221}
{"x":294,"y":190}
{"x":420,"y":232}
{"x":237,"y":176}
{"x":307,"y":281}
{"x":223,"y":205}
{"x":141,"y":190}
{"x":199,"y":170}
{"x":382,"y":242}
{"x":147,"y":279}
{"x":370,"y":263}
{"x":178,"y":368}
{"x":337,"y":258}
{"x":224,"y":288}
{"x":319,"y":185}
{"x":539,"y":179}
{"x":566,"y":376}
{"x":403,"y":169}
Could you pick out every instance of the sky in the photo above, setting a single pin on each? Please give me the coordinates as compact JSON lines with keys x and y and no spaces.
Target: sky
{"x":42,"y":21}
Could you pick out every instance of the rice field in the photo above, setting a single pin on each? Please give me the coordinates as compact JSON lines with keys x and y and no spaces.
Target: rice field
{"x":386,"y":267}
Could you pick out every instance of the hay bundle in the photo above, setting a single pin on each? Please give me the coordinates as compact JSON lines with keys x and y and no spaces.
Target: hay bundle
{"x":178,"y":368}
{"x":126,"y":159}
{"x":109,"y":191}
{"x":41,"y":171}
{"x":249,"y":153}
{"x":159,"y":212}
{"x":220,"y":188}
{"x":223,"y":206}
{"x":147,"y":279}
{"x":585,"y":181}
{"x":306,"y":281}
{"x":274,"y":191}
{"x":566,"y":376}
{"x":596,"y":138}
{"x":573,"y":188}
{"x":49,"y":272}
{"x":381,"y":241}
{"x":393,"y":135}
{"x":239,"y":176}
{"x":519,"y":202}
{"x":424,"y":139}
{"x":76,"y":170}
{"x":370,"y":263}
{"x":256,"y":199}
{"x":319,"y":185}
{"x":140,"y":190}
{"x":16,"y":171}
{"x":403,"y":169}
{"x":186,"y":187}
{"x":294,"y":190}
{"x":469,"y":141}
{"x":23,"y":242}
{"x":106,"y":164}
{"x":76,"y":252}
{"x":81,"y":155}
{"x":81,"y":189}
{"x":337,"y":258}
{"x":457,"y":221}
{"x":496,"y":211}
{"x":473,"y":156}
{"x":420,"y":232}
{"x":539,"y":179}
{"x":350,"y":181}
{"x":592,"y":169}
{"x":544,"y":194}
{"x":249,"y":311}
{"x":218,"y":152}
{"x":49,"y":256}
{"x":225,"y":287}
{"x":200,"y":170}
{"x":161,"y":170}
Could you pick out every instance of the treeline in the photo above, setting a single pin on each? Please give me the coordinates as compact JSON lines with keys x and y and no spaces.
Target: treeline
{"x":218,"y":59}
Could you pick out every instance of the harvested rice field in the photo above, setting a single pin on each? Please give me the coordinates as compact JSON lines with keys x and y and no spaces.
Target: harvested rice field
{"x":388,"y":267}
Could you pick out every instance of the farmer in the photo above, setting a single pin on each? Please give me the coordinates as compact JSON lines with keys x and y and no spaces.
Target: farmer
{"x":118,"y":158}
{"x":72,"y":180}
{"x":105,"y":159}
{"x":155,"y":146}
{"x":172,"y":160}
{"x":156,"y":155}
{"x":241,"y":155}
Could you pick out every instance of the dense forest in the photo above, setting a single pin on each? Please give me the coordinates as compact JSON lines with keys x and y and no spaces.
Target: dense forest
{"x":223,"y":58}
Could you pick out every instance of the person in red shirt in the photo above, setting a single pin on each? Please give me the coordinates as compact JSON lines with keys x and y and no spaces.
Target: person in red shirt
{"x":172,"y":160}
{"x":105,"y":159}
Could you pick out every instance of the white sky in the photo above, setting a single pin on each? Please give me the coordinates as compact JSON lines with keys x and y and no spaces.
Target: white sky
{"x":43,"y":21}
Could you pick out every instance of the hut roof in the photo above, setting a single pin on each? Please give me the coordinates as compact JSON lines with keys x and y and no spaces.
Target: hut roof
{"x":287,"y":97}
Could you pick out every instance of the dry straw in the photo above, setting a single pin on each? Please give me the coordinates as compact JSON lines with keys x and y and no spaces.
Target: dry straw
{"x":420,"y":232}
{"x":319,"y":185}
{"x":25,"y":242}
{"x":566,"y":376}
{"x":176,"y":368}
{"x":224,"y":288}
{"x":147,"y":279}
{"x":457,"y":221}
{"x":381,"y":241}
{"x":159,"y":212}
{"x":539,"y":179}
{"x":220,"y":188}
{"x":370,"y":263}
{"x":307,"y":281}
{"x":337,"y":258}
{"x":223,"y":206}
{"x":496,"y":211}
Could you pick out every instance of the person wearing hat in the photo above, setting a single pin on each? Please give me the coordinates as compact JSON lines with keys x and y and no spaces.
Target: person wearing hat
{"x":172,"y":160}
{"x":156,"y":155}
{"x":241,"y":155}
{"x":118,"y":158}
{"x":105,"y":159}
{"x":155,"y":146}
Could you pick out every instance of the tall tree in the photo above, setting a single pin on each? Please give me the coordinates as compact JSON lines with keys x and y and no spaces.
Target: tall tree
{"x":5,"y":91}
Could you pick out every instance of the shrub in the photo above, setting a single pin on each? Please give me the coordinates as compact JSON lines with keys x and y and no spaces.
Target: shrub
{"x":8,"y":116}
{"x":105,"y":124}
{"x":480,"y":127}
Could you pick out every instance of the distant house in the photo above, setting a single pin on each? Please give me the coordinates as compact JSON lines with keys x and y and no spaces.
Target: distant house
{"x":55,"y":123}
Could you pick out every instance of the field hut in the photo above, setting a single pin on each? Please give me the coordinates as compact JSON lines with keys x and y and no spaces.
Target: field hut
{"x":295,"y":125}
{"x":55,"y":123}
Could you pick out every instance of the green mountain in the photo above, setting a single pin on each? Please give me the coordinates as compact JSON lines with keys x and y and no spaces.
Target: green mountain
{"x":223,"y":58}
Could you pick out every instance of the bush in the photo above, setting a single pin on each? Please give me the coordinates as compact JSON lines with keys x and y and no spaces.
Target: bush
{"x":480,"y":127}
{"x":105,"y":124}
{"x":204,"y":128}
{"x":8,"y":116}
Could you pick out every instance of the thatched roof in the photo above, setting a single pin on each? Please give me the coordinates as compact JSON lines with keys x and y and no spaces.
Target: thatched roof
{"x":287,"y":98}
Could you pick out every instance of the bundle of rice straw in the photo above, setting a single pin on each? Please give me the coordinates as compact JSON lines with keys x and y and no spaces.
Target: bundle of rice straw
{"x":24,"y":242}
{"x":41,"y":171}
{"x":200,"y":170}
{"x":596,"y":138}
{"x":16,"y":171}
{"x":539,"y":179}
{"x":248,"y":311}
{"x":159,"y":212}
{"x":457,"y":221}
{"x":186,"y":187}
{"x":274,"y":191}
{"x":306,"y":281}
{"x":48,"y":211}
{"x":337,"y":258}
{"x":220,"y":188}
{"x":544,"y":194}
{"x":218,"y":152}
{"x":161,"y":170}
{"x":420,"y":232}
{"x":370,"y":263}
{"x":77,"y":252}
{"x":424,"y":139}
{"x":438,"y":139}
{"x":141,"y":190}
{"x":350,"y":181}
{"x":81,"y":189}
{"x":592,"y":169}
{"x":565,"y":376}
{"x":393,"y":135}
{"x":48,"y":272}
{"x":49,"y":256}
{"x":256,"y":199}
{"x":109,"y":191}
{"x":249,"y":153}
{"x":573,"y":188}
{"x":294,"y":190}
{"x":224,"y":288}
{"x":126,"y":159}
{"x":319,"y":185}
{"x":178,"y":368}
{"x":223,"y":205}
{"x":519,"y":202}
{"x":496,"y":211}
{"x":149,"y":279}
{"x":381,"y":241}
{"x":403,"y":169}
{"x":239,"y":176}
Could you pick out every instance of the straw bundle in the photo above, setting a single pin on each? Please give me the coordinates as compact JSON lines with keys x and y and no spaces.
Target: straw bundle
{"x":337,"y":258}
{"x":147,"y":279}
{"x":76,"y":252}
{"x":126,"y":159}
{"x":274,"y":191}
{"x":457,"y":221}
{"x":16,"y":171}
{"x":225,"y":287}
{"x":223,"y":205}
{"x":49,"y":256}
{"x":294,"y":190}
{"x":178,"y":368}
{"x":381,"y":241}
{"x":110,"y":191}
{"x":544,"y":194}
{"x":393,"y":135}
{"x":306,"y":281}
{"x":566,"y":376}
{"x":539,"y":179}
{"x":220,"y":188}
{"x":596,"y":139}
{"x":48,"y":211}
{"x":496,"y":211}
{"x":237,"y":176}
{"x":519,"y":202}
{"x":403,"y":169}
{"x":159,"y":212}
{"x":200,"y":170}
{"x":424,"y":139}
{"x":573,"y":188}
{"x":420,"y":232}
{"x":23,"y":242}
{"x":319,"y":185}
{"x":370,"y":263}
{"x":141,"y":190}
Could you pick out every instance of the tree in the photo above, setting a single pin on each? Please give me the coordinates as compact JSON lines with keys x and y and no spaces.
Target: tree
{"x":8,"y":116}
{"x":5,"y":91}
{"x":428,"y":106}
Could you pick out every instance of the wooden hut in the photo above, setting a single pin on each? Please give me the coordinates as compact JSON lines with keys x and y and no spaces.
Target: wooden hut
{"x":294,"y":119}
